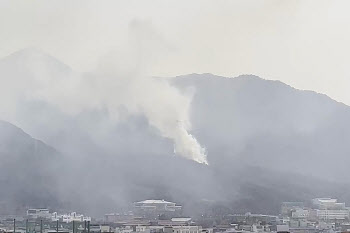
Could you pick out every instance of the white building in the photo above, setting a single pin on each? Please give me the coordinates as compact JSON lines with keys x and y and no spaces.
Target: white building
{"x":172,"y":229}
{"x":162,"y":229}
{"x":156,"y":205}
{"x":332,"y":214}
{"x":153,"y":209}
{"x":126,"y":229}
{"x":329,"y":209}
{"x":67,"y":218}
{"x":328,"y":203}
{"x":187,"y":229}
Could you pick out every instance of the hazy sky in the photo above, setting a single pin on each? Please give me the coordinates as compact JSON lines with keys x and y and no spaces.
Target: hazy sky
{"x":303,"y":43}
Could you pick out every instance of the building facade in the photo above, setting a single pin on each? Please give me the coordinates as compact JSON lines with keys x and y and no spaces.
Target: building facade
{"x":156,"y":208}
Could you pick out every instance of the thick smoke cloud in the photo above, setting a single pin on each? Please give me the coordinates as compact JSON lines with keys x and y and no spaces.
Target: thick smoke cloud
{"x":122,"y":81}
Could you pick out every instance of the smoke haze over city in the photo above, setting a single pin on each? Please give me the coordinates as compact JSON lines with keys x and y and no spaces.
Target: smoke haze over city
{"x":214,"y":109}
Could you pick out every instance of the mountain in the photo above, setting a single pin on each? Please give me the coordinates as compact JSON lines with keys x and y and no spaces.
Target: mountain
{"x":34,"y":60}
{"x":36,"y":175}
{"x":27,"y":170}
{"x":269,"y":124}
{"x":266,"y":143}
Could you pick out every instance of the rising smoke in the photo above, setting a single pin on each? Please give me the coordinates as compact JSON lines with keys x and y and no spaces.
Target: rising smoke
{"x":164,"y":106}
{"x":122,"y":79}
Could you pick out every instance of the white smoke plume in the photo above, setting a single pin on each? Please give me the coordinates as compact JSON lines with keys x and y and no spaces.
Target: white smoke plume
{"x":122,"y":79}
{"x":164,"y":106}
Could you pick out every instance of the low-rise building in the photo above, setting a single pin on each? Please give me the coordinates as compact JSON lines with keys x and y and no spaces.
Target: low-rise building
{"x":287,"y":207}
{"x":156,"y":205}
{"x":331,"y":214}
{"x":38,"y":213}
{"x":70,"y":217}
{"x":156,"y":208}
{"x":299,"y":213}
{"x":187,"y":229}
{"x":327,"y":204}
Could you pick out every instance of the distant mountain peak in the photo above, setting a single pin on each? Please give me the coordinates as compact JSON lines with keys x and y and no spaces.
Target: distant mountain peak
{"x":249,"y":76}
{"x":29,"y":53}
{"x":9,"y":131}
{"x":33,"y":56}
{"x":30,"y":50}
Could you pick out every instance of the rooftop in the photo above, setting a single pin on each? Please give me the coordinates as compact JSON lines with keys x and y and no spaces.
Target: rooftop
{"x":326,"y":200}
{"x":154,"y":202}
{"x":181,"y":219}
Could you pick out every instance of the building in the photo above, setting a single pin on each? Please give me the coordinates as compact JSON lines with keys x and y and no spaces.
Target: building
{"x":187,"y":229}
{"x":299,"y":213}
{"x":182,"y":221}
{"x":251,"y":218}
{"x":327,"y":204}
{"x":176,"y":222}
{"x":282,"y":228}
{"x":96,"y":228}
{"x":287,"y":207}
{"x":156,"y":205}
{"x":328,"y":209}
{"x":157,"y":208}
{"x":68,"y":218}
{"x":331,"y":214}
{"x":38,"y":213}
